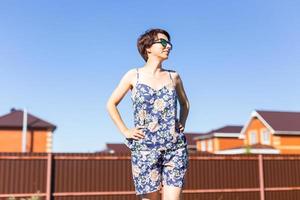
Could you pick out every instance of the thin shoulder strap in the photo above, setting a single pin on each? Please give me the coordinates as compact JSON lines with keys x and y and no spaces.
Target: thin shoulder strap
{"x":137,"y":75}
{"x":171,"y":77}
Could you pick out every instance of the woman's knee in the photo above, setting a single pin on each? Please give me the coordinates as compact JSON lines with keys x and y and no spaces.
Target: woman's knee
{"x":171,"y":192}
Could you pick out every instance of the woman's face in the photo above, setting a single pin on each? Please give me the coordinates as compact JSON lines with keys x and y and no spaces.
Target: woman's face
{"x":158,"y":50}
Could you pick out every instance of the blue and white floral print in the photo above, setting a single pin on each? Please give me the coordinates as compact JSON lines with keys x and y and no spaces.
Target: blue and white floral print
{"x":151,"y":168}
{"x":156,"y":111}
{"x":156,"y":157}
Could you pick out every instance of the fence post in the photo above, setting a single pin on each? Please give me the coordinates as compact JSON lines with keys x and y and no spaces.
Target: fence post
{"x":49,"y":176}
{"x":261,"y":177}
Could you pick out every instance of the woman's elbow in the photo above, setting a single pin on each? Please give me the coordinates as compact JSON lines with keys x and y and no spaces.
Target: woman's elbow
{"x":186,"y":105}
{"x":109,"y":105}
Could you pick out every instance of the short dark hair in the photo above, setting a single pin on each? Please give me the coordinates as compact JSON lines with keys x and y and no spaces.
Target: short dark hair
{"x":146,"y":40}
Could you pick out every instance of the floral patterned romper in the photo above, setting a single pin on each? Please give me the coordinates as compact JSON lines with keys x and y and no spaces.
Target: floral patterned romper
{"x":161,"y":156}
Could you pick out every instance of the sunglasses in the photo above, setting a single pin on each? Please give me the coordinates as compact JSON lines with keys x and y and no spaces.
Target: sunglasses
{"x":163,"y":42}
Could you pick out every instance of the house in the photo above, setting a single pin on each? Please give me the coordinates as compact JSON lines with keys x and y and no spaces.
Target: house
{"x":273,"y":131}
{"x":226,"y":137}
{"x":116,"y":148}
{"x":191,"y":142}
{"x":38,"y":137}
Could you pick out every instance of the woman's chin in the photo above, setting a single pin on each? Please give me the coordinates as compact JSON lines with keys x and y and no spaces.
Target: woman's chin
{"x":165,"y":57}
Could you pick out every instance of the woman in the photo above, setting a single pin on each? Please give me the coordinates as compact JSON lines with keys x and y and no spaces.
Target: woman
{"x":158,"y":145}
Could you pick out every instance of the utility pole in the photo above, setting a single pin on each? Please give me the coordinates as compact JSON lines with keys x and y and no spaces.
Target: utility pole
{"x":24,"y":130}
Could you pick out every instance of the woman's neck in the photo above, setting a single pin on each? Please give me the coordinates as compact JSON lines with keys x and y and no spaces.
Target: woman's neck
{"x":153,"y":66}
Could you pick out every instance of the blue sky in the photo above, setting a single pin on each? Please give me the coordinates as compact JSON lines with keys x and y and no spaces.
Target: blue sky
{"x":62,"y":59}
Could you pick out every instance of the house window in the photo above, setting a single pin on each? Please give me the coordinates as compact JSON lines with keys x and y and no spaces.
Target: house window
{"x":253,"y":137}
{"x":209,"y":145}
{"x":265,"y":136}
{"x":203,"y":146}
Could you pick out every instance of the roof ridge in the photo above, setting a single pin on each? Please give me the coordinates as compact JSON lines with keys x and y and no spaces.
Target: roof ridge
{"x":14,"y":119}
{"x":279,"y":111}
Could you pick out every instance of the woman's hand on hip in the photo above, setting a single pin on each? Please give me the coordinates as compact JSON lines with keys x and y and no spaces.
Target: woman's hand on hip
{"x":180,"y":127}
{"x":134,"y":133}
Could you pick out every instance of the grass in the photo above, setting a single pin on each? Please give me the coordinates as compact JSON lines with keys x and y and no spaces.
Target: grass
{"x":34,"y":197}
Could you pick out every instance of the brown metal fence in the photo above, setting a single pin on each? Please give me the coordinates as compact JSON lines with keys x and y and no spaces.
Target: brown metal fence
{"x":89,"y":176}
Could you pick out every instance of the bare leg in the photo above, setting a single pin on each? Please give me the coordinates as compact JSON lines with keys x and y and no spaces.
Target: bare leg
{"x":151,"y":196}
{"x":171,"y":192}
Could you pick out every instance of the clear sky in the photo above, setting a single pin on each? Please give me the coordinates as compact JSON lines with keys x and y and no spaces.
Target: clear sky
{"x":62,"y":59}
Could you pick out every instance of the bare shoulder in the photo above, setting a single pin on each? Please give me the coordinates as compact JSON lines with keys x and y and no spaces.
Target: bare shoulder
{"x":175,"y":75}
{"x":131,"y":72}
{"x":130,"y":76}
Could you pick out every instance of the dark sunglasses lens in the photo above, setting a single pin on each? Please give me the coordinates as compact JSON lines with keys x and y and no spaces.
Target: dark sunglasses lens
{"x":164,"y":43}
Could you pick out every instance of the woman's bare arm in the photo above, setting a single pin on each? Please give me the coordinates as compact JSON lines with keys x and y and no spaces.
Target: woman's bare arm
{"x":113,"y":101}
{"x":183,"y":101}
